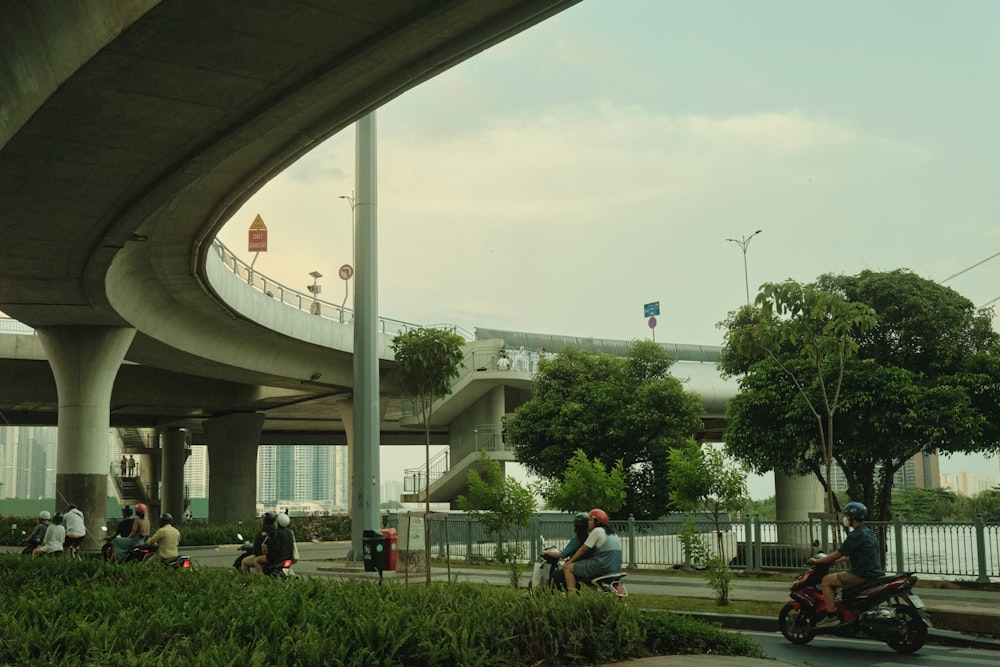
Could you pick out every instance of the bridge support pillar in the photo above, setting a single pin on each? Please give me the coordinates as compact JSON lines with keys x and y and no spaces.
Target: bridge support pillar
{"x":85,"y":362}
{"x":173,"y":443}
{"x":232,"y":465}
{"x":795,"y":497}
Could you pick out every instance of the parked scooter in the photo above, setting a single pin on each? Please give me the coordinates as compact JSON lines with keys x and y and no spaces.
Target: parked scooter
{"x":883,"y":609}
{"x":549,"y":563}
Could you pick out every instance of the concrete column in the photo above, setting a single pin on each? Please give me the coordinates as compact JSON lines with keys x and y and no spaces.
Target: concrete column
{"x":232,"y":466}
{"x":794,"y":498}
{"x":367,"y":423}
{"x":347,"y":416}
{"x":85,"y":362}
{"x":173,"y":453}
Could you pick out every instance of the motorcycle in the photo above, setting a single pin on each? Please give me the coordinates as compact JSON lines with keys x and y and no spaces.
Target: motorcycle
{"x":143,"y":552}
{"x":884,"y":609}
{"x":548,"y":564}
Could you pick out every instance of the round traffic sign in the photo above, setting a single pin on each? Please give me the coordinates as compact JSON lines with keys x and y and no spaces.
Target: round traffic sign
{"x":652,"y":323}
{"x":346,"y":271}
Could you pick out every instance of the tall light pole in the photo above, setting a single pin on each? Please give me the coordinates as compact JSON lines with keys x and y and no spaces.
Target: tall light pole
{"x":350,"y":200}
{"x":743,"y":243}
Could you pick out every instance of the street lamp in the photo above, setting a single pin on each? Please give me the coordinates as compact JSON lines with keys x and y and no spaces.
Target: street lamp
{"x":743,"y":243}
{"x":315,"y":289}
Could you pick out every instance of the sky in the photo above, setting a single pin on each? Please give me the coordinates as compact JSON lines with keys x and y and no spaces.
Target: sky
{"x":600,"y":161}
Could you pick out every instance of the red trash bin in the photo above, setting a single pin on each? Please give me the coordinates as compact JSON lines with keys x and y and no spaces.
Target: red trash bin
{"x":390,"y":548}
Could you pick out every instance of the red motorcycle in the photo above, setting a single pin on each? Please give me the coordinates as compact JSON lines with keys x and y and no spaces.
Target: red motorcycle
{"x":883,"y":609}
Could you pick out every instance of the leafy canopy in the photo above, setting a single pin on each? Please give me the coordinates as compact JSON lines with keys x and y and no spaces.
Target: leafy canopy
{"x":610,"y":408}
{"x":922,"y":377}
{"x":586,"y":484}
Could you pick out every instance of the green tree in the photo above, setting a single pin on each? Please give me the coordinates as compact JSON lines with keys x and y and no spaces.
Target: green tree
{"x":504,"y":507}
{"x":702,"y":480}
{"x":807,"y":334}
{"x":586,"y":484}
{"x":924,"y":377}
{"x":609,"y":407}
{"x":916,"y":504}
{"x":426,"y":361}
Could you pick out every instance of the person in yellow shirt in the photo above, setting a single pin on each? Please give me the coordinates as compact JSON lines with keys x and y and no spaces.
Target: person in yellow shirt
{"x":168,"y":538}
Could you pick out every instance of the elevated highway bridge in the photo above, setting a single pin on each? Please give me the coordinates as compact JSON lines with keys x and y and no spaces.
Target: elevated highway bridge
{"x":130,"y":133}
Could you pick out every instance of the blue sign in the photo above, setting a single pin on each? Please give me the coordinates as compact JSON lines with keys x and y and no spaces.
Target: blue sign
{"x":651,"y":309}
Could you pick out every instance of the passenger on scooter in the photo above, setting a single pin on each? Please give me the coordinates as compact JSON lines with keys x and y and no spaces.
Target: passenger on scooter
{"x":167,"y":537}
{"x":280,"y":547}
{"x":861,"y":547}
{"x":138,"y":534}
{"x":37,"y":536}
{"x":55,"y":536}
{"x":606,"y":547}
{"x":267,"y":530}
{"x":580,"y":525}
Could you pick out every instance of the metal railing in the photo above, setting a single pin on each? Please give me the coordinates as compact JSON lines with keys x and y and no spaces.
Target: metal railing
{"x":939,"y":550}
{"x":8,"y":325}
{"x":484,"y":437}
{"x":309,"y":302}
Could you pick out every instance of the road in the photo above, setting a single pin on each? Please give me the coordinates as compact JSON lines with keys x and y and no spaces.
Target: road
{"x":840,"y":652}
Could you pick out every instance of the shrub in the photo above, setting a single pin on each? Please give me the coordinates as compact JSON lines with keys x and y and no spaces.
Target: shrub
{"x":87,"y":612}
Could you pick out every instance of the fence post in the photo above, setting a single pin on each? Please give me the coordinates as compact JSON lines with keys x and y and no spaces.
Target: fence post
{"x":631,"y":541}
{"x":824,"y":533}
{"x":758,"y":550}
{"x":468,"y":538}
{"x":897,"y":531}
{"x":687,"y":554}
{"x":981,"y":549}
{"x":442,"y":538}
{"x":535,"y":537}
{"x":747,"y":543}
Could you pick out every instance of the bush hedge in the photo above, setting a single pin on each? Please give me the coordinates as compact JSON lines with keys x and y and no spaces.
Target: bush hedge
{"x":88,"y":613}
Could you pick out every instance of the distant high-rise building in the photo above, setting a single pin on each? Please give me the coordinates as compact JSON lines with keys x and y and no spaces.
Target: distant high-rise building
{"x":921,"y":471}
{"x":302,"y":475}
{"x":196,"y":472}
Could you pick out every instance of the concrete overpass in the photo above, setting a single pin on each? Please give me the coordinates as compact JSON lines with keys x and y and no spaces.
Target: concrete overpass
{"x":131,"y":131}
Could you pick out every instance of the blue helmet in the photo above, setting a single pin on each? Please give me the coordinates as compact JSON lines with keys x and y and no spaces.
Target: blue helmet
{"x":856,"y":511}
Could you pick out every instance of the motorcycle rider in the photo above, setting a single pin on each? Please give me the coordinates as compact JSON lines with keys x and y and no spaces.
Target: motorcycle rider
{"x":76,"y":529}
{"x":267,"y":530}
{"x":55,"y":536}
{"x":580,"y":532}
{"x":167,"y":537}
{"x":124,"y":527}
{"x":138,"y":534}
{"x":607,"y":548}
{"x":278,"y":548}
{"x":861,"y":547}
{"x":37,"y":536}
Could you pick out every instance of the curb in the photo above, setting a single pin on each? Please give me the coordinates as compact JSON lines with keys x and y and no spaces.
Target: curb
{"x":769,"y":624}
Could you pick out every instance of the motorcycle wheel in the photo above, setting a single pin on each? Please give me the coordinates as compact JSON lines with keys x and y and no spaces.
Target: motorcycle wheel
{"x":795,"y":625}
{"x":913,"y":631}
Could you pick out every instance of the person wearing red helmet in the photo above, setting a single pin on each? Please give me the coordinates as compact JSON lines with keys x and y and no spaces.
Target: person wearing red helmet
{"x":606,"y":547}
{"x":138,"y":534}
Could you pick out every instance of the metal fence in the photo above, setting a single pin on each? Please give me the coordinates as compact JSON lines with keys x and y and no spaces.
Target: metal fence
{"x":940,"y":550}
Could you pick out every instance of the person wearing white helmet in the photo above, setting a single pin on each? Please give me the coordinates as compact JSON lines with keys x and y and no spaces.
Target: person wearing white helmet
{"x":38,"y":534}
{"x":55,"y":535}
{"x":278,"y":548}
